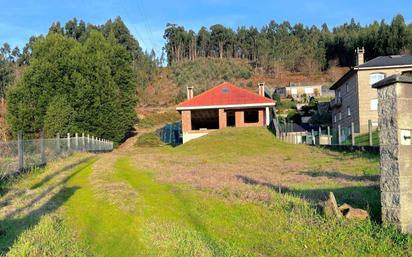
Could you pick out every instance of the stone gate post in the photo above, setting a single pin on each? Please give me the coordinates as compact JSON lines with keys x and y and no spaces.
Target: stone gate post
{"x":395,"y":125}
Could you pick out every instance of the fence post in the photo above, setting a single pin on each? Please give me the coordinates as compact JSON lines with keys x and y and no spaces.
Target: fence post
{"x":88,"y":142}
{"x":92,"y":144}
{"x":352,"y":130}
{"x":83,"y":143}
{"x":20,"y":150}
{"x":320,"y":133}
{"x":339,"y":138}
{"x":76,"y":142}
{"x":68,"y":142}
{"x":370,"y":132}
{"x":313,"y":137}
{"x":329,"y":138}
{"x":42,"y":149}
{"x":58,"y":144}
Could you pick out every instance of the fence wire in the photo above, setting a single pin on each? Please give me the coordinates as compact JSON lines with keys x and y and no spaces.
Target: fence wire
{"x":22,"y":155}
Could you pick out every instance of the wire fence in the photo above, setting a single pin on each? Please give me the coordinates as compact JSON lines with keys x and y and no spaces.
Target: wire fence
{"x":21,"y":155}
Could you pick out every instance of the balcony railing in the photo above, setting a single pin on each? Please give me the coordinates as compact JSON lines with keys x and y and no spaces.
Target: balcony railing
{"x":337,"y":102}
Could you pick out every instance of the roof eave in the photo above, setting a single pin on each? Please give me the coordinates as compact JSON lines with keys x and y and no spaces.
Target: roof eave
{"x":342,"y":79}
{"x":225,"y":106}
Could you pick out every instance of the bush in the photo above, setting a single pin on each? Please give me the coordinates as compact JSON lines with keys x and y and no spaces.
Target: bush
{"x":159,"y":118}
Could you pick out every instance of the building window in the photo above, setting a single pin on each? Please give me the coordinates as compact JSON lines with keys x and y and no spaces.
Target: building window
{"x":309,"y":90}
{"x":251,"y":116}
{"x":374,"y":104}
{"x":375,"y":77}
{"x":347,"y":88}
{"x":340,"y":116}
{"x":348,"y":109}
{"x":338,"y":92}
{"x":335,"y":119}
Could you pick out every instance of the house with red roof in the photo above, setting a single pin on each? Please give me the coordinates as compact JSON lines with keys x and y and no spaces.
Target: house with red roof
{"x":224,"y":105}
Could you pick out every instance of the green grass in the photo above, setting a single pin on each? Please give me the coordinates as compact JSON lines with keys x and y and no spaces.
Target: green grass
{"x":149,"y":139}
{"x":363,"y":139}
{"x":178,"y":219}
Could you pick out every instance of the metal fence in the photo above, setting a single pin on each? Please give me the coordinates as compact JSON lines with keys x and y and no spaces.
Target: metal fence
{"x":171,"y":133}
{"x":20,"y":155}
{"x":317,"y":135}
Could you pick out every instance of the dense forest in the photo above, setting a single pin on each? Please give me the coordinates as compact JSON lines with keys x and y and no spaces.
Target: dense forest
{"x":78,"y":78}
{"x":294,"y":48}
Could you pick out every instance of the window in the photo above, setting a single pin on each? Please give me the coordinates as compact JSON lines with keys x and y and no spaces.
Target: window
{"x":294,"y":91}
{"x":251,"y":116}
{"x":347,"y":88}
{"x":340,"y":116}
{"x":348,"y":110}
{"x":374,"y":104}
{"x":338,"y":93}
{"x":335,"y":119}
{"x":375,"y":77}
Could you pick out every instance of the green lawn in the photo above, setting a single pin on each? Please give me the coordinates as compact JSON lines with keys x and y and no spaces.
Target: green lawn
{"x":363,"y":139}
{"x":210,"y":197}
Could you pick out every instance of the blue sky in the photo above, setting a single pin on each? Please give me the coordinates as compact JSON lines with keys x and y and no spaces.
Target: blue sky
{"x":147,"y":19}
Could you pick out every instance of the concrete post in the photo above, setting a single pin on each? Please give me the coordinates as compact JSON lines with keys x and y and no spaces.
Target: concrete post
{"x":267,"y":116}
{"x":76,"y":142}
{"x":58,"y":144}
{"x":352,"y":131}
{"x":20,"y":150}
{"x":313,"y":137}
{"x":320,"y":133}
{"x":370,"y":132}
{"x":42,"y":149}
{"x":339,"y":137}
{"x":329,"y":138}
{"x":83,"y":143}
{"x":68,"y":142}
{"x":92,"y":147}
{"x":395,"y":129}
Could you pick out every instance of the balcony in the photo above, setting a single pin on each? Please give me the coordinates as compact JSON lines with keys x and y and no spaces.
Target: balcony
{"x":336,"y":103}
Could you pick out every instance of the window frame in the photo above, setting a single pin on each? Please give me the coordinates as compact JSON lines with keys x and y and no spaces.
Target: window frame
{"x":374,"y":74}
{"x":348,"y":111}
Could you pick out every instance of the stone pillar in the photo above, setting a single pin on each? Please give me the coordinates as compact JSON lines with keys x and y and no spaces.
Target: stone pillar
{"x":186,"y":121}
{"x":395,"y":125}
{"x":222,"y":118}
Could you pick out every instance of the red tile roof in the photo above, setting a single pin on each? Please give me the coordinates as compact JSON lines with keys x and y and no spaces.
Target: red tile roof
{"x":225,"y":94}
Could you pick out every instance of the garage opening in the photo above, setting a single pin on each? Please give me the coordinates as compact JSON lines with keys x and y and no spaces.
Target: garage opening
{"x":205,"y":119}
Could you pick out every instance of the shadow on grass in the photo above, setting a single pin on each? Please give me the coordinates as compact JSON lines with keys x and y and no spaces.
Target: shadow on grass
{"x":11,"y":227}
{"x":364,"y":197}
{"x":338,"y":175}
{"x":54,"y":174}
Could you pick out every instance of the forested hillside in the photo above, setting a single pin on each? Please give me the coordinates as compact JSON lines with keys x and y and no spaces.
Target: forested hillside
{"x":291,"y":47}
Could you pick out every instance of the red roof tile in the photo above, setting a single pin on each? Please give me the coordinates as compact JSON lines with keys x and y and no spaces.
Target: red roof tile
{"x":225,"y":94}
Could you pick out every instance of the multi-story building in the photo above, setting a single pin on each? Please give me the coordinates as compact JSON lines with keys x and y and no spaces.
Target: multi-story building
{"x":298,"y":90}
{"x":355,"y":99}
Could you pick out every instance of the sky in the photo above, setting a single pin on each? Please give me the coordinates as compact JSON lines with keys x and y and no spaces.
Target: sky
{"x":20,"y":19}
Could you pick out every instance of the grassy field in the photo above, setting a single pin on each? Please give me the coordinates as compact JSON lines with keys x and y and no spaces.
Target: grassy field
{"x":235,"y":192}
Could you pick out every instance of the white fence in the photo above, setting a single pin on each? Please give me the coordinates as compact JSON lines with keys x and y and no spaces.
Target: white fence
{"x":20,"y":155}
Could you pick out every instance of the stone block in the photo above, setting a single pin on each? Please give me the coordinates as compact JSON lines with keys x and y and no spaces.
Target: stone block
{"x":405,"y":153}
{"x":389,"y":168}
{"x":390,"y":184}
{"x":391,"y":215}
{"x":389,"y":153}
{"x":390,"y":199}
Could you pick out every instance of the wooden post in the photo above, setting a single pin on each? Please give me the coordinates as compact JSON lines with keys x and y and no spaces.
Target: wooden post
{"x":339,"y":137}
{"x":329,"y":138}
{"x":42,"y":149}
{"x":370,"y":132}
{"x":352,"y":130}
{"x":20,"y":150}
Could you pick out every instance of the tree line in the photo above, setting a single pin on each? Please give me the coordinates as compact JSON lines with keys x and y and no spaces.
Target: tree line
{"x":79,"y":78}
{"x":291,"y":47}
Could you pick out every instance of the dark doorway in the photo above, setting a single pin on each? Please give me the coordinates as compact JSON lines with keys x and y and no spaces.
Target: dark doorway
{"x":230,"y":119}
{"x":251,"y":116}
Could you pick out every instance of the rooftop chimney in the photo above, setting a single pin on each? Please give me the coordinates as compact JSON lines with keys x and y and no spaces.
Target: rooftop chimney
{"x":189,"y":92}
{"x":360,"y":56}
{"x":262,"y":88}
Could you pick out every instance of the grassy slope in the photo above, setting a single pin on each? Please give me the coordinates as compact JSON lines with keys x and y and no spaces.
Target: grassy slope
{"x":136,"y":215}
